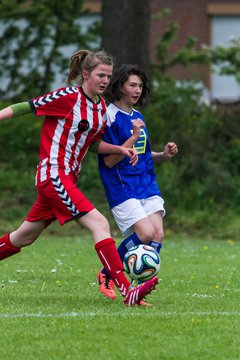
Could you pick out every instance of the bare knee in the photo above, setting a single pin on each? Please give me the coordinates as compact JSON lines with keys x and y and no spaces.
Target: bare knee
{"x":148,"y":233}
{"x":97,"y":224}
{"x":145,"y":234}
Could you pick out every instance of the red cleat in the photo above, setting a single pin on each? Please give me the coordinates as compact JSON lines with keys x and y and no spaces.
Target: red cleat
{"x":136,"y":295}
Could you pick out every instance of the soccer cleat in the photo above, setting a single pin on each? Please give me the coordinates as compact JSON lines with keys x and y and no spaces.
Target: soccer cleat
{"x":136,"y":295}
{"x":106,"y":285}
{"x":144,"y":303}
{"x":135,"y":283}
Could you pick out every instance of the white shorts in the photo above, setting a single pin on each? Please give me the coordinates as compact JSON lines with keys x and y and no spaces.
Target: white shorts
{"x":130,"y":211}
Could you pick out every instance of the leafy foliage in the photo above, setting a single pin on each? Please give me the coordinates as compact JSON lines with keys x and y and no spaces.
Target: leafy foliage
{"x":202,"y":180}
{"x":226,"y":58}
{"x":34,"y":41}
{"x":204,"y":176}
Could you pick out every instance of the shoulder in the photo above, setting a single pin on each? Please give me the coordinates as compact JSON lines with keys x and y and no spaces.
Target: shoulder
{"x":138,"y":114}
{"x":54,"y":95}
{"x":112,"y":114}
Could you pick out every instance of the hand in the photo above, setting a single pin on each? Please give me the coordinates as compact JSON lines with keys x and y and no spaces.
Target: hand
{"x":170,"y":150}
{"x":132,"y":153}
{"x":137,"y":125}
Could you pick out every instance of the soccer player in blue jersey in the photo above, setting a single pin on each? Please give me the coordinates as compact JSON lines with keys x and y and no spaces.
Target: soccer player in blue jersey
{"x":132,"y":191}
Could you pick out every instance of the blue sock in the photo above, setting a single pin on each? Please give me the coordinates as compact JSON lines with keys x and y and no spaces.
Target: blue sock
{"x":128,"y":243}
{"x":125,"y":245}
{"x":156,"y":246}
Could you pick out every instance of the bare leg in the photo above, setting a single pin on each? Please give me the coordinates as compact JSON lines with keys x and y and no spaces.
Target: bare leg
{"x":150,"y":228}
{"x":27,"y":233}
{"x":97,"y":224}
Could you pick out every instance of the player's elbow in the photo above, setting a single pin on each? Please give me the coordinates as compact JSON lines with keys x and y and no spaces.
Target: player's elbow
{"x":109,"y":164}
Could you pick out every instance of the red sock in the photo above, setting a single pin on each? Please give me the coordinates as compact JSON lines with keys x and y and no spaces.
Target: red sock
{"x":110,"y":259}
{"x":7,"y":248}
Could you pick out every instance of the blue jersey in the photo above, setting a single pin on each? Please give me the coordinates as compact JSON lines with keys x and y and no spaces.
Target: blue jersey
{"x":124,"y":181}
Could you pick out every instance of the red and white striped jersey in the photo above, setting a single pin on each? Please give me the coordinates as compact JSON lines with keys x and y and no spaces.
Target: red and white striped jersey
{"x":72,"y":121}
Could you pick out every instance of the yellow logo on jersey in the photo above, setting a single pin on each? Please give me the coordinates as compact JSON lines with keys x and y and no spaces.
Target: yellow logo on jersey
{"x":140,"y":144}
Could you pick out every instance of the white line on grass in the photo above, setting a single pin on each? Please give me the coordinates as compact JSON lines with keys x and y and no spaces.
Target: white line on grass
{"x":132,"y":314}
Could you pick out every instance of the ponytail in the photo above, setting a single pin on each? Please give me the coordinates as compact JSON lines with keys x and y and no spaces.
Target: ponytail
{"x":75,"y":67}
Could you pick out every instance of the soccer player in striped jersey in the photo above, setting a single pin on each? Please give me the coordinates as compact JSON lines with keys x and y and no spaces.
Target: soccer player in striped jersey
{"x":74,"y":120}
{"x":132,"y":191}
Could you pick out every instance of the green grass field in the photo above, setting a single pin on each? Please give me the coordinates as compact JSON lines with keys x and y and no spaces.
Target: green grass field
{"x":51,"y":308}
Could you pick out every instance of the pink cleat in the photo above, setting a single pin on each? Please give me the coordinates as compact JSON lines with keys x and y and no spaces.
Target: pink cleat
{"x":136,"y":295}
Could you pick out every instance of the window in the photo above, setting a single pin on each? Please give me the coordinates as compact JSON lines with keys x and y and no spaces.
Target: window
{"x":225,"y":27}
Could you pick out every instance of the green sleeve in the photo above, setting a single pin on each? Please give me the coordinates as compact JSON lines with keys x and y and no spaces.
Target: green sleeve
{"x":21,"y":108}
{"x":93,"y":147}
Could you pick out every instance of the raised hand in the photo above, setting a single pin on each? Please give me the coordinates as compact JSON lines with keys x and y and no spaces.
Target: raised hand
{"x":170,"y":150}
{"x":137,"y":125}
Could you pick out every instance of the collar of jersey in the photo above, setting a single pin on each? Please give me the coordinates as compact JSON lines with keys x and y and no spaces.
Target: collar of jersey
{"x":124,"y":111}
{"x":86,"y":96}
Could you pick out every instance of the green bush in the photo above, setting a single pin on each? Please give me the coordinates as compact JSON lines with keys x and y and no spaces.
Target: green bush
{"x":206,"y":170}
{"x":19,"y":143}
{"x":200,"y":184}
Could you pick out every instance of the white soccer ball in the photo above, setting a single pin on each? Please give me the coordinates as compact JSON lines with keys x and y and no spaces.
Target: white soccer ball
{"x":142,"y":262}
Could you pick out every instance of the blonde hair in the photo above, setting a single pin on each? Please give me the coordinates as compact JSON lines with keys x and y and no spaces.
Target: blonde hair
{"x":86,"y":60}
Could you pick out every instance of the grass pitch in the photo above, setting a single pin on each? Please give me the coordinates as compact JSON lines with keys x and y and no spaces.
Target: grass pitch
{"x":51,"y":308}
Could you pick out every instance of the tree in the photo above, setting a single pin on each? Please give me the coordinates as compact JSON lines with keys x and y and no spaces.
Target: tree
{"x":33,"y":44}
{"x":125,"y":31}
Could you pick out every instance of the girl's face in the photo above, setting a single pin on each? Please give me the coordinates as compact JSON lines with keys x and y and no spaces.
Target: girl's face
{"x":131,"y":90}
{"x":96,"y":82}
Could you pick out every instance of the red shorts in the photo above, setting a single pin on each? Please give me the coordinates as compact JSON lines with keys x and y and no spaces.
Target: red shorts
{"x":59,"y":198}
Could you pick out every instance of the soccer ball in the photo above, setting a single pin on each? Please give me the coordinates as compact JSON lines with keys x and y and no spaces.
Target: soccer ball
{"x":141,"y":262}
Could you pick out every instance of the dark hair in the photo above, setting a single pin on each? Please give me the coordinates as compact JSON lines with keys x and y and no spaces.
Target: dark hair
{"x":120,"y":76}
{"x":86,"y":60}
